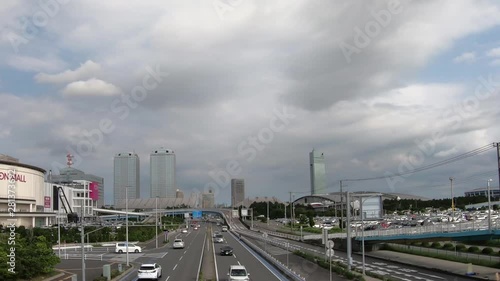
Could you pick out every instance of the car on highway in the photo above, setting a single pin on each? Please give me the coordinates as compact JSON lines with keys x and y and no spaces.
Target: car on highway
{"x":226,"y":251}
{"x":224,"y":228}
{"x":121,"y":247}
{"x":238,"y":273}
{"x":184,"y":231}
{"x":215,"y":234}
{"x":219,"y":238}
{"x":149,"y":271}
{"x":178,"y":244}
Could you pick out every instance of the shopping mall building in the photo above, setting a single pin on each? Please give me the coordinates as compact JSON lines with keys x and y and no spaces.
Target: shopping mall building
{"x":27,"y":199}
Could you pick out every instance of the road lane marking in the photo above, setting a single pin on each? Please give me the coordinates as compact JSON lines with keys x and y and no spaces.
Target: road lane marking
{"x":168,"y":277}
{"x":433,"y":276}
{"x":185,"y":252}
{"x":175,"y":267}
{"x":164,"y":255}
{"x":181,"y":258}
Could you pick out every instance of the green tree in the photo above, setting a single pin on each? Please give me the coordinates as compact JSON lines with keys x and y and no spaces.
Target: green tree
{"x":311,"y":221}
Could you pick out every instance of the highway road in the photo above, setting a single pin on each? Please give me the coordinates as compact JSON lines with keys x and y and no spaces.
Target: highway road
{"x":258,"y":268}
{"x":182,"y":264}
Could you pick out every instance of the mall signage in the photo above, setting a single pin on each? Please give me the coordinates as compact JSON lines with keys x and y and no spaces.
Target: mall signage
{"x":10,"y":176}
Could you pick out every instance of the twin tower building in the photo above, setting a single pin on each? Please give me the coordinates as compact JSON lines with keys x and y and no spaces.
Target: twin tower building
{"x":162,"y":175}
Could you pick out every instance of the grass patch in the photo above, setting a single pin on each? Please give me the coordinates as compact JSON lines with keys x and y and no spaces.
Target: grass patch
{"x":480,"y":262}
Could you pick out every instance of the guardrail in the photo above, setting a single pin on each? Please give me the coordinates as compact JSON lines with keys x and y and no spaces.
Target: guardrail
{"x":79,"y":256}
{"x":283,"y":268}
{"x":437,"y":228}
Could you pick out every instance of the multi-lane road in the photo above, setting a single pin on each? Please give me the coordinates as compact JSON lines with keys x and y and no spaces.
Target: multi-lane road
{"x":183,"y":264}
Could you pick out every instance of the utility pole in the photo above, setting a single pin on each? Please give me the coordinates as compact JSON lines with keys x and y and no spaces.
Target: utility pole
{"x":452,"y":203}
{"x":348,"y":226}
{"x":83,"y":240}
{"x":497,"y":145}
{"x":341,"y":207}
{"x":291,"y":227}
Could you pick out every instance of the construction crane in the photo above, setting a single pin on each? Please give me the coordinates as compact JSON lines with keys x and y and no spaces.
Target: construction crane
{"x":58,"y":193}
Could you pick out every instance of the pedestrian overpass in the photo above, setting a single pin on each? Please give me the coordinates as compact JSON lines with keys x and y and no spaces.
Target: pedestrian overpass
{"x":193,"y":213}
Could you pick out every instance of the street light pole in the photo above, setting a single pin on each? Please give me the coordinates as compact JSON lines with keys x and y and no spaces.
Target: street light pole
{"x":156,"y":221}
{"x":489,"y":205}
{"x":348,"y":226}
{"x":267,"y":212}
{"x":126,"y":224}
{"x":83,"y":240}
{"x":452,"y":203}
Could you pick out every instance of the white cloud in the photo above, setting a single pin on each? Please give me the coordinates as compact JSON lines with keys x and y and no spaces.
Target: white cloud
{"x":92,"y":87}
{"x":465,"y":57}
{"x":27,"y":63}
{"x":495,"y":62}
{"x":495,"y":52}
{"x":87,"y":70}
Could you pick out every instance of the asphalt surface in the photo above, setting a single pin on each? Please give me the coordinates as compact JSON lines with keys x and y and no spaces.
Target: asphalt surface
{"x":241,"y":256}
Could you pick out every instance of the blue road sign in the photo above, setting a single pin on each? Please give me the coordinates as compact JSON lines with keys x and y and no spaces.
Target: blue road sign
{"x":197,"y":214}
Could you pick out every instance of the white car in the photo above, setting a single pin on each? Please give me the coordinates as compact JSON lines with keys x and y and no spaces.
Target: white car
{"x":178,"y":244}
{"x":184,"y":231}
{"x":238,"y":273}
{"x":219,"y":238}
{"x":121,"y":247}
{"x":149,"y":271}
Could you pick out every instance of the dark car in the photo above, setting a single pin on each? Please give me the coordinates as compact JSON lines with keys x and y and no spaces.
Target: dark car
{"x":226,"y":251}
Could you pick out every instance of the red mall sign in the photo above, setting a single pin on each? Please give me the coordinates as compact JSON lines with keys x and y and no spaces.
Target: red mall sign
{"x":46,"y":202}
{"x":10,"y":176}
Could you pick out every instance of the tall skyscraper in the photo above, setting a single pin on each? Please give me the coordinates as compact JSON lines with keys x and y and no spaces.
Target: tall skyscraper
{"x":237,"y":192}
{"x":208,"y":199}
{"x":126,"y":176}
{"x":318,"y":173}
{"x":162,"y":165}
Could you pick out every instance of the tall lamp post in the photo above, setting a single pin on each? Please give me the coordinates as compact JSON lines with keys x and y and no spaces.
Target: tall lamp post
{"x":489,"y":205}
{"x":452,"y":203}
{"x":156,"y":221}
{"x":267,"y":212}
{"x":126,"y":224}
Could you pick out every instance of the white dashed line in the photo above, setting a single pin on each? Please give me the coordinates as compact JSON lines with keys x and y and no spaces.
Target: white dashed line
{"x":175,"y":267}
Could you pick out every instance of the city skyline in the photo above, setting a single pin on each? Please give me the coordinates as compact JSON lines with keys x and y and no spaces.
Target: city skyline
{"x":390,"y":88}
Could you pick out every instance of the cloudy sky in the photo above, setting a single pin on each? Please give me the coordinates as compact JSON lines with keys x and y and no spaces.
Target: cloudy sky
{"x":246,"y":89}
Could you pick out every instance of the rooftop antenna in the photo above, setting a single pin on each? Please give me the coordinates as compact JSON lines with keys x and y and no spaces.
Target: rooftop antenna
{"x":70,"y":160}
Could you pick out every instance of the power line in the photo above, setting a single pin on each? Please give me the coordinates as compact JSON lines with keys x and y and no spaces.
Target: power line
{"x":433,"y":165}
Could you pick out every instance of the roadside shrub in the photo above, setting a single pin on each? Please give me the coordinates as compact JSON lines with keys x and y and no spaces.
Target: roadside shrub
{"x":487,"y":251}
{"x":473,"y":249}
{"x":461,"y":247}
{"x":436,"y":245}
{"x":425,"y":244}
{"x":448,"y":246}
{"x":416,"y":243}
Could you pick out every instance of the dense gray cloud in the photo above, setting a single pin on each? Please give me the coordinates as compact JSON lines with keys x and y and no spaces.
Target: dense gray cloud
{"x":208,"y":84}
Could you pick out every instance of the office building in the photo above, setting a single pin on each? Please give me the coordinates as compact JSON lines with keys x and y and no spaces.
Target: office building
{"x":237,"y":192}
{"x":179,"y":194}
{"x":68,"y":175}
{"x":483,"y":191}
{"x":208,"y":200}
{"x":318,"y":173}
{"x":126,"y":176}
{"x":162,"y":165}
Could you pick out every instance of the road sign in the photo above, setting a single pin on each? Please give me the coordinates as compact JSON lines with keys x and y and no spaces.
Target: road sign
{"x":197,"y":214}
{"x":330,"y":244}
{"x":330,"y":253}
